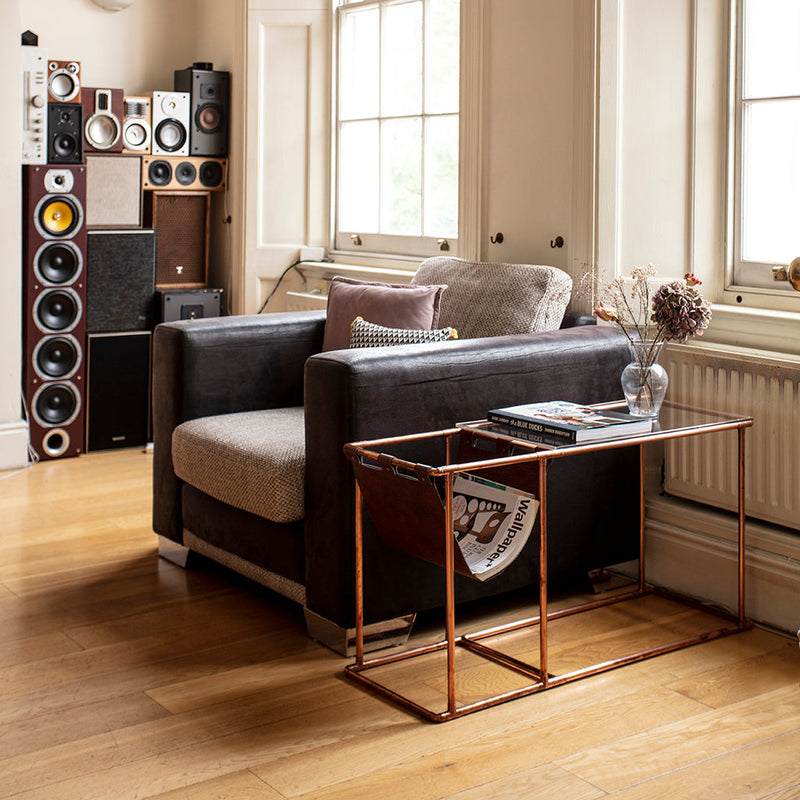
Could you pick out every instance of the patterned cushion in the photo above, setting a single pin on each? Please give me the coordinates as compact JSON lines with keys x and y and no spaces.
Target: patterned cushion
{"x":368,"y":334}
{"x":395,"y":305}
{"x":254,"y":460}
{"x":496,"y":299}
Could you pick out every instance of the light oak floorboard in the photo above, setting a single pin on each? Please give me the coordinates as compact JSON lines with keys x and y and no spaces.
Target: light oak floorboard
{"x":123,"y":676}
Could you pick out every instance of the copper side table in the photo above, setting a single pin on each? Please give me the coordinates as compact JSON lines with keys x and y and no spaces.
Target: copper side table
{"x":382,"y":477}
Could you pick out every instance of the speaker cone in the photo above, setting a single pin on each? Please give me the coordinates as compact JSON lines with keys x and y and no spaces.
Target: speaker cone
{"x":159,"y":173}
{"x":56,"y":357}
{"x":56,"y":404}
{"x":55,"y":443}
{"x":63,"y":85}
{"x":58,"y":263}
{"x":58,"y":216}
{"x":57,"y":310}
{"x":65,"y":145}
{"x":102,"y":131}
{"x":185,"y":173}
{"x":170,"y":135}
{"x":211,"y":173}
{"x":208,"y":118}
{"x":136,"y":134}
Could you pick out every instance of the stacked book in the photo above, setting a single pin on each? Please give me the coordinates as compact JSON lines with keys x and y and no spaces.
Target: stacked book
{"x":558,"y":422}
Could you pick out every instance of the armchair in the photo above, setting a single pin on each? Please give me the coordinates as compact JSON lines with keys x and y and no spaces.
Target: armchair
{"x":268,"y":373}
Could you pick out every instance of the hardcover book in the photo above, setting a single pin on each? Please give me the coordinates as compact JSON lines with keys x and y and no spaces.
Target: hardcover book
{"x":558,"y":421}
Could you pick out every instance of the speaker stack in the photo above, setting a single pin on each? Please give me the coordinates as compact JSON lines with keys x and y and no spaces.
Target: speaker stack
{"x":117,"y":192}
{"x":54,"y":290}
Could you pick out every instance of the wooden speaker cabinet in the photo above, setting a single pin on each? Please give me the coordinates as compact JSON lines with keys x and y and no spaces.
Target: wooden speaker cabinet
{"x":181,"y":222}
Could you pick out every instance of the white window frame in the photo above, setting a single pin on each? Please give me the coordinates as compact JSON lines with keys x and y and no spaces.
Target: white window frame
{"x":754,"y":277}
{"x":383,"y":246}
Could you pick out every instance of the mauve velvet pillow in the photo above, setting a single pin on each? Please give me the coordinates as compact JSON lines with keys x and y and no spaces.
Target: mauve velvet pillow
{"x":388,"y":304}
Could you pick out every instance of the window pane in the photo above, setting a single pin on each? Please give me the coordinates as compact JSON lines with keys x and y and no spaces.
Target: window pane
{"x":442,"y":27}
{"x":771,"y":53}
{"x":359,"y":54}
{"x":441,"y":176}
{"x":771,"y":181}
{"x":401,"y":64}
{"x":358,"y":176}
{"x":401,"y":177}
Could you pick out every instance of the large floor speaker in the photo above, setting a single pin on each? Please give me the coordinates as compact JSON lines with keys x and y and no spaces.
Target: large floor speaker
{"x":181,"y":222}
{"x":54,"y":301}
{"x":120,"y":282}
{"x":209,"y":109}
{"x":118,"y":390}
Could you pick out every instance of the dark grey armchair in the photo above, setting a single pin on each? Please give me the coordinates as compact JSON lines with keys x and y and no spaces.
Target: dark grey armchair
{"x":265,"y":371}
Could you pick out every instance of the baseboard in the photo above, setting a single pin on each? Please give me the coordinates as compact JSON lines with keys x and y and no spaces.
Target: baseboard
{"x":13,"y":445}
{"x":691,"y":548}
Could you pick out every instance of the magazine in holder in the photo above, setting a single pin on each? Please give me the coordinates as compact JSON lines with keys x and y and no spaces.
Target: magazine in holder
{"x":407,"y":502}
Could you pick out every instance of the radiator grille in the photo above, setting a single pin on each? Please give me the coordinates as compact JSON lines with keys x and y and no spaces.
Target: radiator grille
{"x":763,"y":385}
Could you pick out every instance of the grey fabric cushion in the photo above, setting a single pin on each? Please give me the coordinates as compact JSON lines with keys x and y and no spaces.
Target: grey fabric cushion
{"x":254,"y":460}
{"x":367,"y":334}
{"x":485,"y":299}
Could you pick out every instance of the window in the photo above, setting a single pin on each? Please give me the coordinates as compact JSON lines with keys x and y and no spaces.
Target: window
{"x":767,"y":141}
{"x":397,"y":131}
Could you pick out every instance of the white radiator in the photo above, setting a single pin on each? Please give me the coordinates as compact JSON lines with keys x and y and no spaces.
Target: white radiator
{"x":760,"y":384}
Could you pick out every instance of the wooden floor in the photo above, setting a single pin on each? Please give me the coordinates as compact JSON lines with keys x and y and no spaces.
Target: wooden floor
{"x":123,"y":676}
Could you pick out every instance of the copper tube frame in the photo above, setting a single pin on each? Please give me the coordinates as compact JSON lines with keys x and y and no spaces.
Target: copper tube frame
{"x":541,"y":678}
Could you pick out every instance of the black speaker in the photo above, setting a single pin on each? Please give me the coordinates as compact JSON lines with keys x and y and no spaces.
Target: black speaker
{"x":120,"y":281}
{"x":64,"y":133}
{"x":210,"y":93}
{"x":189,"y":304}
{"x":117,"y":390}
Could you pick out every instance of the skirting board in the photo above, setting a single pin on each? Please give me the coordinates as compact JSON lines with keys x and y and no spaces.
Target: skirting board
{"x":691,"y":548}
{"x":13,"y":445}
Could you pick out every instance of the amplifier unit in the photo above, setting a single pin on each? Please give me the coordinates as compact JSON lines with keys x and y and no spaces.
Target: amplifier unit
{"x":34,"y":105}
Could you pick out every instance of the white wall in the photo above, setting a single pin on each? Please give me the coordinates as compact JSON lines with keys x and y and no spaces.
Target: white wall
{"x":13,"y":436}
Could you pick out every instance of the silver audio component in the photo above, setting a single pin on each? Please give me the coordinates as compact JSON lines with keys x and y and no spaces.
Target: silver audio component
{"x":34,"y":105}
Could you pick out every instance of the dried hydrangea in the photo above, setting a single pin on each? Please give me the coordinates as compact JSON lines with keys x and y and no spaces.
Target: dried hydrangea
{"x":675,"y":312}
{"x":679,"y":310}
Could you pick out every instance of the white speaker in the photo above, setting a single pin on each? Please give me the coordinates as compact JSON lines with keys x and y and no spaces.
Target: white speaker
{"x":136,"y":128}
{"x":171,"y":112}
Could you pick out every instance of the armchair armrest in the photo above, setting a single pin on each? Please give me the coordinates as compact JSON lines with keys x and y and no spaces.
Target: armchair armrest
{"x":222,"y":365}
{"x":352,"y":395}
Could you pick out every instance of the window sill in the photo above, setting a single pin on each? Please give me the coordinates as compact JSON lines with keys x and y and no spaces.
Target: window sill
{"x":753,"y":328}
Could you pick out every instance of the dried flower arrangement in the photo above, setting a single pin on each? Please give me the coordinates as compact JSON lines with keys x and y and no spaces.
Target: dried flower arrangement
{"x":676,"y":311}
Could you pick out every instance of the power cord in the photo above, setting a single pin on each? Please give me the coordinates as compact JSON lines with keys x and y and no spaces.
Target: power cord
{"x":277,"y":285}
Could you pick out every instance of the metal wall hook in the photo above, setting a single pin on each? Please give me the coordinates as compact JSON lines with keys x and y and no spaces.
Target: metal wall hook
{"x":497,"y":238}
{"x":557,"y":242}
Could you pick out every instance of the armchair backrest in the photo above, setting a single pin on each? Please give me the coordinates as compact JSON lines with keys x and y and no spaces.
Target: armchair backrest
{"x":484,"y":299}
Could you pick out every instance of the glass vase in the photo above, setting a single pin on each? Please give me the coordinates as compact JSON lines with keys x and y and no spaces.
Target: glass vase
{"x":644,"y":380}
